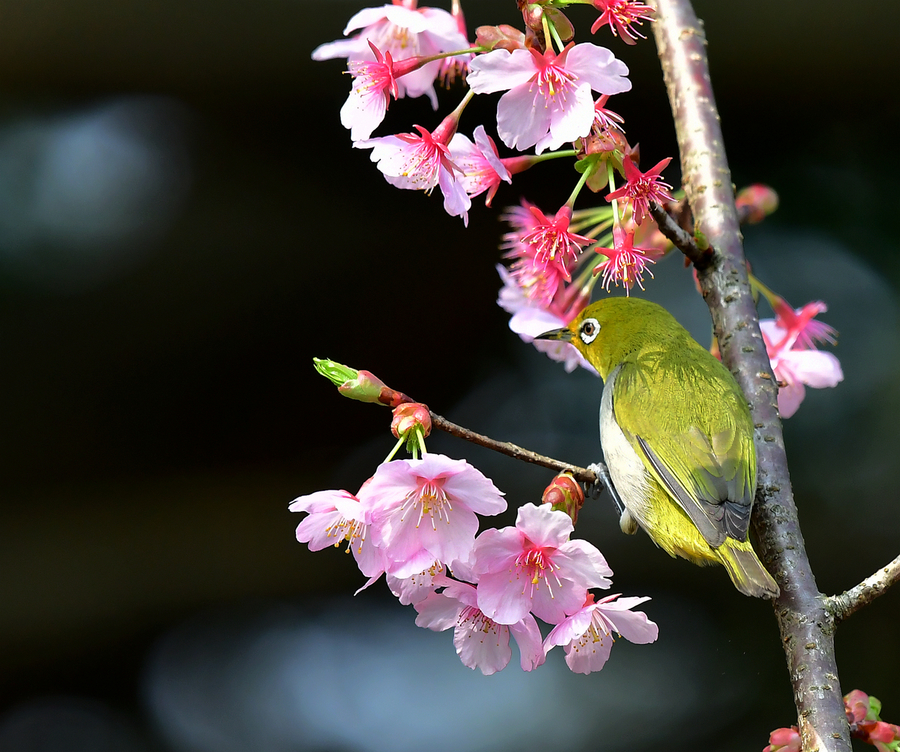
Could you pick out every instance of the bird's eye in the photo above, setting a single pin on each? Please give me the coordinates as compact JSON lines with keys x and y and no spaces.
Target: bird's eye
{"x":589,"y":330}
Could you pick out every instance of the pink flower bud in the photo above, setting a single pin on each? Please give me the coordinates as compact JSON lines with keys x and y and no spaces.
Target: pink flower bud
{"x":564,"y":494}
{"x":856,"y":704}
{"x":408,"y":417}
{"x":755,"y":203}
{"x":502,"y":37}
{"x":787,"y":739}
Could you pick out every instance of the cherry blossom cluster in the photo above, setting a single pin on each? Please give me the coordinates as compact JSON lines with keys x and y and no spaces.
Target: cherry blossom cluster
{"x":554,"y":97}
{"x":863,"y":715}
{"x":415,"y":521}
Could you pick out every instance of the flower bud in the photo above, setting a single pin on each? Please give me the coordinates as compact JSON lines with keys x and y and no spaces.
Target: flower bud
{"x":359,"y":385}
{"x":502,"y":37}
{"x":787,"y":739}
{"x":564,"y":494}
{"x":755,"y":203}
{"x":408,"y":416}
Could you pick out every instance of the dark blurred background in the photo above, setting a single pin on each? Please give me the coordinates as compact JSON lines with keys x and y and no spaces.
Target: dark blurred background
{"x":184,"y":225}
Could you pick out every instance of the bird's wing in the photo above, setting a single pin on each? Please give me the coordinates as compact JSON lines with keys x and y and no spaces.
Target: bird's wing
{"x":707,"y":467}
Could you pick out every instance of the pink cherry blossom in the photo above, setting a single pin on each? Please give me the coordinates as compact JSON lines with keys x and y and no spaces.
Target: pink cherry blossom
{"x":624,"y":263}
{"x":424,"y":510}
{"x":420,"y":162}
{"x":800,"y":325}
{"x":549,"y":101}
{"x":417,"y":587}
{"x":335,"y":517}
{"x":587,"y":634}
{"x":796,"y":368}
{"x":480,"y":642}
{"x":643,"y":187}
{"x":535,"y":567}
{"x":403,"y":32}
{"x":621,"y":15}
{"x":482,"y":168}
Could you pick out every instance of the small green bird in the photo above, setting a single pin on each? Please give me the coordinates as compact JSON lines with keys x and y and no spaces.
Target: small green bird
{"x":677,"y":436}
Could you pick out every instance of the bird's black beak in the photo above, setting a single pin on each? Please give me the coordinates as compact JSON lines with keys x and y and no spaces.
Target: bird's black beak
{"x":564,"y":335}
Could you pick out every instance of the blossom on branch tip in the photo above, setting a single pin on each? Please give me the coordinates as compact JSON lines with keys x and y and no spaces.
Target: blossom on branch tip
{"x":625,"y":264}
{"x":535,"y":567}
{"x":621,"y":16}
{"x":643,"y":187}
{"x":404,"y":32}
{"x":587,"y":634}
{"x":549,"y":101}
{"x":424,"y":511}
{"x":480,"y":641}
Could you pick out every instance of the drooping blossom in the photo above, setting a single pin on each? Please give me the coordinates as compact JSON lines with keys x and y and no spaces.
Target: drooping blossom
{"x":587,"y":634}
{"x":800,"y":325}
{"x":797,"y":369}
{"x":481,"y":168}
{"x":480,"y":641}
{"x":334,"y":517}
{"x":417,"y":587}
{"x":549,"y":245}
{"x":549,"y":101}
{"x":621,"y":16}
{"x":535,"y":567}
{"x":625,"y":264}
{"x":643,"y":187}
{"x":404,"y":32}
{"x":529,"y":319}
{"x":374,"y":82}
{"x":605,"y":119}
{"x":423,"y":511}
{"x":421,"y":161}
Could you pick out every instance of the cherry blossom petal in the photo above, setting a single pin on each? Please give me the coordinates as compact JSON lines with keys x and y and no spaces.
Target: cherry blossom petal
{"x":522,"y":118}
{"x":500,"y":70}
{"x":605,"y":73}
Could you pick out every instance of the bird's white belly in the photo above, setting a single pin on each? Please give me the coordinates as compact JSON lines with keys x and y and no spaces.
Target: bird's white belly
{"x":628,"y":473}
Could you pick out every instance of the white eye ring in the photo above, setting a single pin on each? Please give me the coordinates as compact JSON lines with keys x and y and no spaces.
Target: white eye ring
{"x":588,"y":330}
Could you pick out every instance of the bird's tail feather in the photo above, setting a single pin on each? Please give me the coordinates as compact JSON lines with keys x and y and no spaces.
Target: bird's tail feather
{"x":746,"y":570}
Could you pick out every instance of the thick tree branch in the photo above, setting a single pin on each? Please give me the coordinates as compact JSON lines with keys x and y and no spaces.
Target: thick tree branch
{"x":805,"y":623}
{"x":841,"y":606}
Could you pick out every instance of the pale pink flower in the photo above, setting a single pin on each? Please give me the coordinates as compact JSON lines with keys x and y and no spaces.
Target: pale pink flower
{"x":549,"y":101}
{"x":587,"y":634}
{"x":417,"y":587}
{"x":643,"y":187}
{"x":480,"y":642}
{"x":420,"y":162}
{"x":621,"y":16}
{"x":535,"y":567}
{"x":796,"y":368}
{"x":335,"y":517}
{"x":403,"y":32}
{"x":482,"y":168}
{"x":424,"y":511}
{"x":624,"y":263}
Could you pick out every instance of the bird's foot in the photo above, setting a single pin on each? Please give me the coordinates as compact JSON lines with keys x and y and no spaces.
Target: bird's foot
{"x":604,"y":481}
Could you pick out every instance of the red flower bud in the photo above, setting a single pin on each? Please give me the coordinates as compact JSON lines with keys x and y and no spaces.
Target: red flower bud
{"x":564,"y":494}
{"x":409,"y":416}
{"x":755,"y":203}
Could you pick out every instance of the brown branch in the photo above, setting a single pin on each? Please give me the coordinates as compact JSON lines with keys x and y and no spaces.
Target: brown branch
{"x":806,"y":625}
{"x":581,"y":474}
{"x":681,"y":238}
{"x":850,"y":601}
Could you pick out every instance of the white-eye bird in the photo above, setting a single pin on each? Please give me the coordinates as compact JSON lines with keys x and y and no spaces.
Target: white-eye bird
{"x":676,"y":434}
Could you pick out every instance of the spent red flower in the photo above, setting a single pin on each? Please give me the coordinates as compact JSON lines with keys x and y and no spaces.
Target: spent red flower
{"x":643,"y":187}
{"x":622,"y":16}
{"x":625,"y":264}
{"x":550,"y":244}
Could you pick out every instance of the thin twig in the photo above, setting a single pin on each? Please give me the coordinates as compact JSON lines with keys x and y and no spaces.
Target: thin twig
{"x":680,"y":237}
{"x":841,"y":606}
{"x":581,"y":474}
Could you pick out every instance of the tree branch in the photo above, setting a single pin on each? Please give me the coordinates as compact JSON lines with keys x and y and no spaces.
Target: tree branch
{"x":680,"y":237}
{"x":841,"y":606}
{"x":806,"y":625}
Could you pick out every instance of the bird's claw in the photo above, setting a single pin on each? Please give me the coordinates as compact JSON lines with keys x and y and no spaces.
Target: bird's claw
{"x":604,"y":481}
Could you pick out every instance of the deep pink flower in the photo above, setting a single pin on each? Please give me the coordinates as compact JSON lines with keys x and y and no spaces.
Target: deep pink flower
{"x":403,"y":32}
{"x":604,"y":119}
{"x":480,"y":642}
{"x":796,"y":368}
{"x":549,"y":101}
{"x":535,"y":567}
{"x":420,"y":162}
{"x":423,"y":511}
{"x":587,"y":634}
{"x":643,"y":187}
{"x":550,"y":244}
{"x":621,"y":16}
{"x":624,"y":263}
{"x":335,"y":517}
{"x":800,"y":326}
